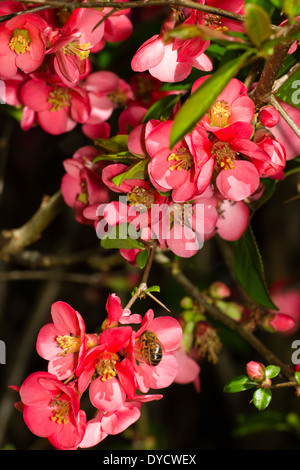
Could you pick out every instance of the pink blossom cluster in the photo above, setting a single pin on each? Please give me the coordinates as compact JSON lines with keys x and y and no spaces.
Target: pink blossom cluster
{"x":201,"y":187}
{"x":116,"y":368}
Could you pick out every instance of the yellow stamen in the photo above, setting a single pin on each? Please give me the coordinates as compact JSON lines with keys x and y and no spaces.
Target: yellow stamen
{"x":183,"y":159}
{"x":225,"y":156}
{"x":61,"y":411}
{"x":59,"y":98}
{"x":214,"y":22}
{"x":68,"y":344}
{"x":20,"y":41}
{"x":140,"y":196}
{"x":219,"y":114}
{"x":76,"y":48}
{"x":105,"y":367}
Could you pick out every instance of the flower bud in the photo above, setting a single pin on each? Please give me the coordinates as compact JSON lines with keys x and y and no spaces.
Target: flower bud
{"x":219,"y":290}
{"x":269,"y":117}
{"x":231,"y":309}
{"x":187,"y":303}
{"x":278,"y":322}
{"x":256,"y":371}
{"x":266,"y":383}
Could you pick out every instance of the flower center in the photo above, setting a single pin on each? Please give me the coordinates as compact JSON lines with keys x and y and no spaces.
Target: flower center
{"x":140,"y":196}
{"x":183,"y":159}
{"x":76,"y":48}
{"x":61,"y":410}
{"x":225,"y":156}
{"x":219,"y":114}
{"x":118,"y":97}
{"x":59,"y":98}
{"x":105,"y":367}
{"x":214,"y":22}
{"x":68,"y":344}
{"x":181,"y":213}
{"x":20,"y":41}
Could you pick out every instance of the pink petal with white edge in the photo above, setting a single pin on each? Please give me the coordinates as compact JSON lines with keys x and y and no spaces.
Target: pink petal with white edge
{"x":106,"y":396}
{"x":239,"y":183}
{"x":121,"y":419}
{"x":168,"y":331}
{"x":168,"y":69}
{"x":148,"y":55}
{"x":93,"y":433}
{"x":233,"y":221}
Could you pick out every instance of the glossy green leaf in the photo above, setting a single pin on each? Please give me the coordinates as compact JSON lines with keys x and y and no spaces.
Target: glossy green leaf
{"x":118,"y":238}
{"x":122,"y":157}
{"x":142,"y":258}
{"x":203,"y":98}
{"x":249,"y":271}
{"x":258,"y":24}
{"x":162,"y":108}
{"x":136,"y":171}
{"x":262,"y":398}
{"x":297,"y":377}
{"x":115,"y":144}
{"x":272,"y":371}
{"x":239,"y":384}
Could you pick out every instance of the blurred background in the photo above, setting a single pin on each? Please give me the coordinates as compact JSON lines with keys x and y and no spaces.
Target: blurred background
{"x":30,"y":169}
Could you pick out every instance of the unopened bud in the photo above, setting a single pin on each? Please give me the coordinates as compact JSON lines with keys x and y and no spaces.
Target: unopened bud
{"x":266,"y":383}
{"x":231,"y":309}
{"x":256,"y":371}
{"x":187,"y":303}
{"x":278,"y":322}
{"x":219,"y":290}
{"x":269,"y":117}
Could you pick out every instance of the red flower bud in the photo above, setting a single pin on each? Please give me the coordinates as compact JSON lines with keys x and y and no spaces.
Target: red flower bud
{"x":256,"y":371}
{"x":219,"y":290}
{"x":278,"y":322}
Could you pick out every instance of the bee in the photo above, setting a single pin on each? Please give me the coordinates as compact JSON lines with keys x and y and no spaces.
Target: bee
{"x":151,"y":348}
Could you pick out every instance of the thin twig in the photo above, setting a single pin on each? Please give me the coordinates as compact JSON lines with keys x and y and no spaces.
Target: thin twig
{"x":275,"y":103}
{"x":219,"y":316}
{"x":140,"y":4}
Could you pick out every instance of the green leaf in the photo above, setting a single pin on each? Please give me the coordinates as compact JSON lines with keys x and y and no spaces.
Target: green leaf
{"x":297,"y":377}
{"x":118,"y":238}
{"x":249,"y":271}
{"x":137,"y":171}
{"x":153,"y":289}
{"x":162,"y":108}
{"x":272,"y":371}
{"x":122,"y":157}
{"x":276,"y":3}
{"x":289,"y":92}
{"x":142,"y":258}
{"x":203,"y":98}
{"x":239,"y":384}
{"x":115,"y":144}
{"x":262,"y":398}
{"x":258,"y":24}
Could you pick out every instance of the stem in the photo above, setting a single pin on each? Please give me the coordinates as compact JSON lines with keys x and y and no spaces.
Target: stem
{"x":143,"y":284}
{"x":264,"y":87}
{"x":219,"y":316}
{"x":13,"y":241}
{"x":139,"y":4}
{"x":275,"y":103}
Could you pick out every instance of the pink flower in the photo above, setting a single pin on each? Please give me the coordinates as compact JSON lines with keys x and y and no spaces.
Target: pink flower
{"x":109,"y":378}
{"x":52,"y":410}
{"x":151,"y":351}
{"x":57,"y":107}
{"x":164,"y":61}
{"x":233,"y":219}
{"x":274,"y":168}
{"x":64,"y":342}
{"x":73,"y":42}
{"x":23,"y":44}
{"x":188,"y":369}
{"x":233,"y":105}
{"x":114,"y":422}
{"x":106,"y":92}
{"x":283,"y":133}
{"x":287,"y":299}
{"x":116,"y":313}
{"x":220,"y":23}
{"x":82,"y":184}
